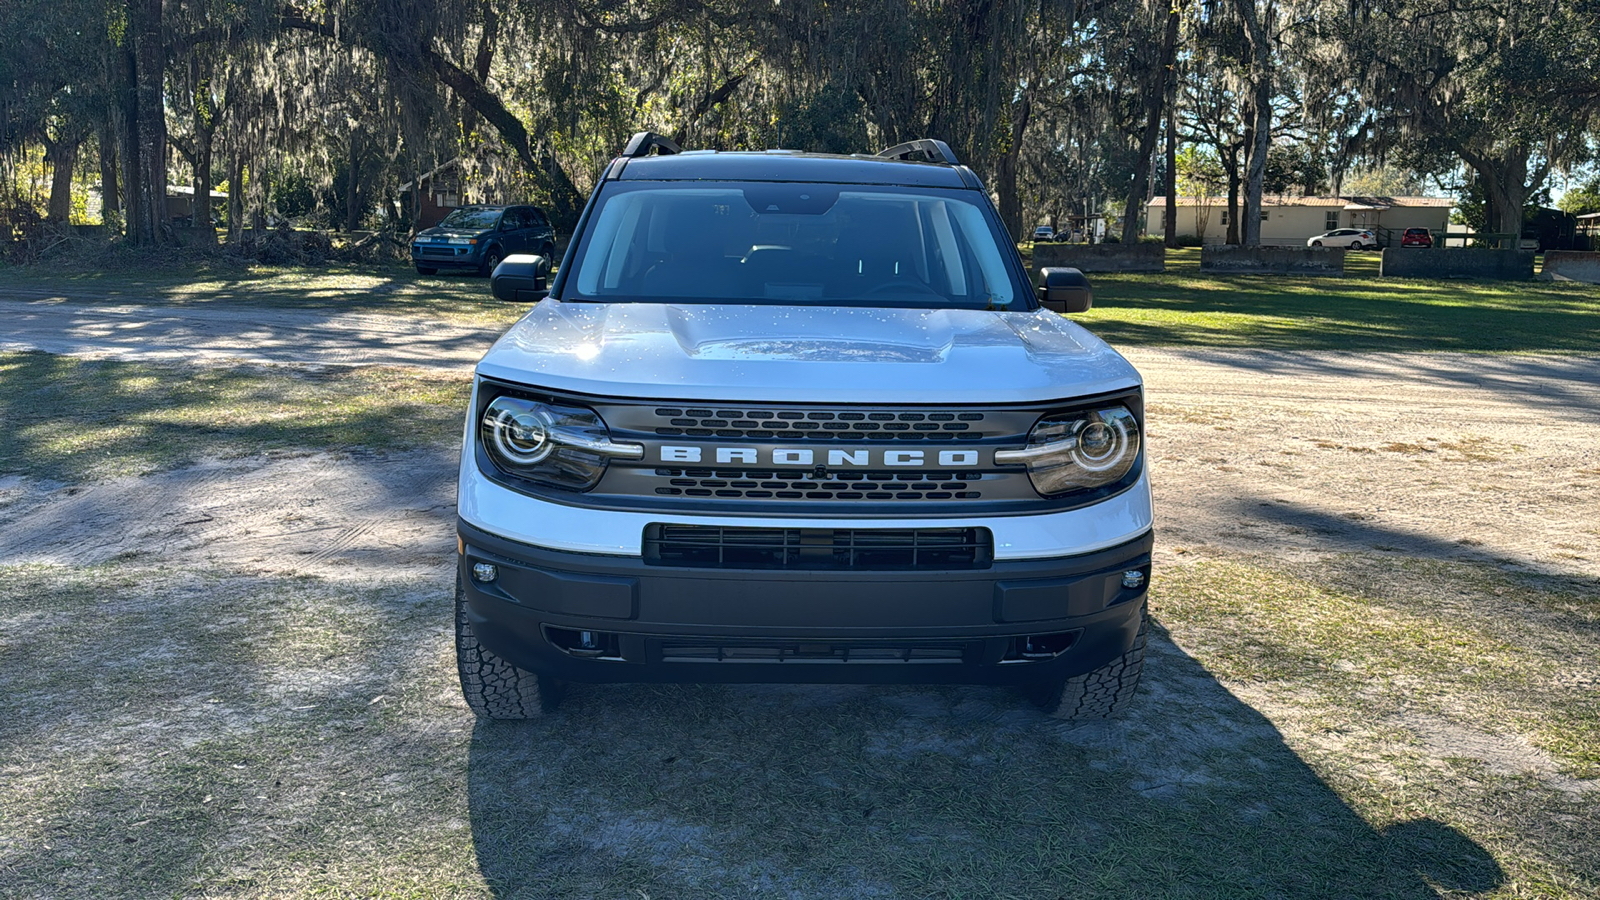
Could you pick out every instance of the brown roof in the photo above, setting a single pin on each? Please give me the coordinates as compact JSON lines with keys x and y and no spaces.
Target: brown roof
{"x":1276,"y":201}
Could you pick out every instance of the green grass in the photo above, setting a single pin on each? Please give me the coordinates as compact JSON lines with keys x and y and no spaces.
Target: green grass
{"x":68,"y":419}
{"x":1360,"y":312}
{"x":169,"y":733}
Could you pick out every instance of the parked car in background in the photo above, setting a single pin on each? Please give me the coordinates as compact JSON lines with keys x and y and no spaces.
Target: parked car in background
{"x":1416,"y":237}
{"x":1354,"y":238}
{"x":478,"y":237}
{"x":1044,"y":233}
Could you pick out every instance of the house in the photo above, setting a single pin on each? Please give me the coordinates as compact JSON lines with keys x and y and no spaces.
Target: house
{"x":1291,"y":221}
{"x":433,"y":195}
{"x":181,"y":205}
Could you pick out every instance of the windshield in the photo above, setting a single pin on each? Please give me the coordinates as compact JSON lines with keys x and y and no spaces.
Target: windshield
{"x":796,"y":244}
{"x":471,"y":219}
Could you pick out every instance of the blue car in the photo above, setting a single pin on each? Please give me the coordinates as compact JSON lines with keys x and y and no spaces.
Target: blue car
{"x":478,"y":237}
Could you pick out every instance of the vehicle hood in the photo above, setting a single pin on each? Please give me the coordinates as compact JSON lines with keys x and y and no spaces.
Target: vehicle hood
{"x":440,"y":231}
{"x":805,"y":354}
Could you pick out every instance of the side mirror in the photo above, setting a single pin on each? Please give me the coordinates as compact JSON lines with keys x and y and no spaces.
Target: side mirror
{"x":1064,"y":290}
{"x":521,"y":278}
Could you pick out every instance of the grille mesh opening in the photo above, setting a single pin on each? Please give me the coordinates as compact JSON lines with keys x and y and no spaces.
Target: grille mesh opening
{"x":713,"y":650}
{"x":819,"y":425}
{"x":874,"y":549}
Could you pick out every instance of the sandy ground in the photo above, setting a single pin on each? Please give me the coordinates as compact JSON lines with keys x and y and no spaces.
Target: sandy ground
{"x":1440,"y":455}
{"x":40,"y":320}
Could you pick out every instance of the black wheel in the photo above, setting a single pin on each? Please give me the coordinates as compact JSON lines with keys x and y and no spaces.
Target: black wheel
{"x":548,"y":251}
{"x":494,"y":688}
{"x":1316,"y":243}
{"x":491,"y":258}
{"x":1102,"y":694}
{"x":427,"y":270}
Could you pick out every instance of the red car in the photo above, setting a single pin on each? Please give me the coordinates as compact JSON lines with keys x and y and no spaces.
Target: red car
{"x":1416,"y":237}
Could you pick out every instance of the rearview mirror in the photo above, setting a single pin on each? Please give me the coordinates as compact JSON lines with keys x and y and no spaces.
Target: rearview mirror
{"x":1064,"y":290}
{"x":521,"y":278}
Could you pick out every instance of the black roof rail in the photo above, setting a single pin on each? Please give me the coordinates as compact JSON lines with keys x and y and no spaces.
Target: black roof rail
{"x":932,"y":150}
{"x":641,"y":143}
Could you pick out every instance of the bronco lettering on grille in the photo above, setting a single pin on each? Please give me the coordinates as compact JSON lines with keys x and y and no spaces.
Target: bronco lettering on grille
{"x":805,"y":456}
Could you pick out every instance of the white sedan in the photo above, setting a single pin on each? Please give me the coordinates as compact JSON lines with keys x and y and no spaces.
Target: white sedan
{"x":1354,"y":238}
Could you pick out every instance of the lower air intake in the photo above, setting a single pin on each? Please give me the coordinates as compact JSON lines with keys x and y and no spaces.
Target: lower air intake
{"x":860,"y":549}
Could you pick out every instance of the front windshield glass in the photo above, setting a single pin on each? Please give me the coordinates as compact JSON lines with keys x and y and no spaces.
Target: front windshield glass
{"x":788,"y":243}
{"x":471,"y":219}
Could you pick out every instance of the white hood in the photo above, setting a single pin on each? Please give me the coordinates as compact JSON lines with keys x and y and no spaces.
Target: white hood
{"x":715,"y":352}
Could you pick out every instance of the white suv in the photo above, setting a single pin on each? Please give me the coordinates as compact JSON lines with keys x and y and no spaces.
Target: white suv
{"x":794,"y":417}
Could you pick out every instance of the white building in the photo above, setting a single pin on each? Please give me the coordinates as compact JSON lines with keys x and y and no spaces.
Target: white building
{"x":1290,"y":221}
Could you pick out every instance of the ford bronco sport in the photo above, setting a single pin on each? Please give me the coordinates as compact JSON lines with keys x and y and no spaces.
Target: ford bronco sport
{"x":796,"y":417}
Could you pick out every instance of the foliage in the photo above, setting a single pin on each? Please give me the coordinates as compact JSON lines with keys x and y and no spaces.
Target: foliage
{"x":1584,"y":198}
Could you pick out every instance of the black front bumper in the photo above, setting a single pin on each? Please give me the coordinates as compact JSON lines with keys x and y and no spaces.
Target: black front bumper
{"x":616,"y":619}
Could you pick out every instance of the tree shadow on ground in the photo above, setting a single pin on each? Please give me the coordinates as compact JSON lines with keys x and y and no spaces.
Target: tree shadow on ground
{"x":930,"y":792}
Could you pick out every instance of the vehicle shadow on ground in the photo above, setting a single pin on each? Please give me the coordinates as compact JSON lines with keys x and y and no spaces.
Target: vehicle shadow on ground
{"x":670,"y":791}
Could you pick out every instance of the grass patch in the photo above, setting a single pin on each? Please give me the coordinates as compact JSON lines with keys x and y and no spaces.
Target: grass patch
{"x":1361,"y":311}
{"x":277,"y":737}
{"x":72,"y":420}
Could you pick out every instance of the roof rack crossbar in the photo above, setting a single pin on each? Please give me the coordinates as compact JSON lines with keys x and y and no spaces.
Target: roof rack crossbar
{"x":641,"y":143}
{"x":928,"y":148}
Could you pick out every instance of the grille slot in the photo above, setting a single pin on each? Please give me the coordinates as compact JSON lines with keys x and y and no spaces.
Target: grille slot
{"x":738,"y":650}
{"x":820,"y":425}
{"x":872,"y":549}
{"x":790,"y":485}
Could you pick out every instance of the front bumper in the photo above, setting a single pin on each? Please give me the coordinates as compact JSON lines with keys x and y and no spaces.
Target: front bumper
{"x":446,"y":256}
{"x":1015,"y":622}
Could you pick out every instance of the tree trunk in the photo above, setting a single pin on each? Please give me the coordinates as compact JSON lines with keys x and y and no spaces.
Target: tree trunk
{"x":1155,"y":99}
{"x":201,"y":218}
{"x":110,"y":196}
{"x":352,"y":204}
{"x":1006,"y":169}
{"x":1261,"y":85}
{"x":147,"y":194}
{"x":63,"y":158}
{"x":235,"y":195}
{"x":1172,"y":174}
{"x":1232,"y":165}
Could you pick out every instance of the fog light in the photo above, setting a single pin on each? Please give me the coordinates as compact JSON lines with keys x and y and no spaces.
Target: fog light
{"x":486,"y":572}
{"x":1133,"y":579}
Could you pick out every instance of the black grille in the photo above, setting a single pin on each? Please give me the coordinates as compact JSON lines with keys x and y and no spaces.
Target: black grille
{"x":796,"y":485}
{"x":819,"y":425}
{"x":738,"y":650}
{"x":714,"y":547}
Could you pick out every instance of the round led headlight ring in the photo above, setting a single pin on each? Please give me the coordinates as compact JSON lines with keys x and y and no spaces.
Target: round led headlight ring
{"x":520,"y":437}
{"x":1103,"y":443}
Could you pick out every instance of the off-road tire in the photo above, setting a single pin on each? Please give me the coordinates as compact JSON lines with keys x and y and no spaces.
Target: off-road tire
{"x":494,"y":688}
{"x":491,"y":258}
{"x":1104,"y":693}
{"x":427,"y":270}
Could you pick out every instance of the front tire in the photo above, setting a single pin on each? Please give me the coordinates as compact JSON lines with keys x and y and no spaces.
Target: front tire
{"x":491,"y":258}
{"x":1316,"y":243}
{"x":1105,"y":693}
{"x":494,"y":688}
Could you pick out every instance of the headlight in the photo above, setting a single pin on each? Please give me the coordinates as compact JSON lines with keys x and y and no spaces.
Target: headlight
{"x":461,"y":240}
{"x":562,"y":446}
{"x":1078,"y":451}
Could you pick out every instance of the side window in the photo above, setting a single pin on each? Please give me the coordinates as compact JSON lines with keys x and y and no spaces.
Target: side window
{"x":536,"y":217}
{"x":511,"y":220}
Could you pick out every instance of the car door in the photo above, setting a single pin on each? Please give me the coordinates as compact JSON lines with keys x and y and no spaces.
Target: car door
{"x":513,"y":231}
{"x":540,"y":232}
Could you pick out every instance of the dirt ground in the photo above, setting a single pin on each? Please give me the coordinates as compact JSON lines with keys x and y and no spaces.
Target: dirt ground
{"x":346,"y":763}
{"x":1448,"y":456}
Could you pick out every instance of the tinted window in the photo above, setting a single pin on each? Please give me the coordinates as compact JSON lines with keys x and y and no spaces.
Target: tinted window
{"x":512,"y":220}
{"x":788,"y":243}
{"x":470,"y":218}
{"x":536,"y":217}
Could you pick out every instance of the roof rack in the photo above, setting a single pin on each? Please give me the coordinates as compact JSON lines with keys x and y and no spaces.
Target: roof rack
{"x":929,"y":149}
{"x":641,"y":143}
